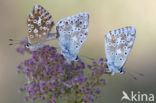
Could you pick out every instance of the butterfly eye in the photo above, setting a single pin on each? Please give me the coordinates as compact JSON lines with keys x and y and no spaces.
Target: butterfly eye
{"x":77,"y":58}
{"x":27,"y":45}
{"x":121,"y":71}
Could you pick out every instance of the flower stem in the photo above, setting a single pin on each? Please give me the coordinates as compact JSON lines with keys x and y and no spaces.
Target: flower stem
{"x":57,"y":101}
{"x":69,"y":101}
{"x":75,"y":98}
{"x":76,"y":94}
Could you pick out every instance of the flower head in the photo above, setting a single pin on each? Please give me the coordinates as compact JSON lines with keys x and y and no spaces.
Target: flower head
{"x":50,"y":77}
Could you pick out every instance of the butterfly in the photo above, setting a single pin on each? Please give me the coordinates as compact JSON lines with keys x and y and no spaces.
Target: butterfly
{"x":118,"y":45}
{"x":39,"y":25}
{"x":73,"y":32}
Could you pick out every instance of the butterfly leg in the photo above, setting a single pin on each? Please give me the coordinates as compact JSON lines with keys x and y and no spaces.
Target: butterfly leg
{"x":109,"y":70}
{"x":113,"y":73}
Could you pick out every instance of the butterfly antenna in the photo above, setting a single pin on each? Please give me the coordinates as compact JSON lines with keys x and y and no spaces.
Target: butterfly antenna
{"x":132,"y":76}
{"x":13,"y":44}
{"x":140,"y":74}
{"x":13,"y":40}
{"x":92,"y":59}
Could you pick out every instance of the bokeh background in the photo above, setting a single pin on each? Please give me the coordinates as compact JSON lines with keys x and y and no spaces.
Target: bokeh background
{"x":105,"y":15}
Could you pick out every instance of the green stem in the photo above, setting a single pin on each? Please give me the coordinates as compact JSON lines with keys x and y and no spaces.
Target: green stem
{"x":68,"y":100}
{"x":57,"y":101}
{"x":75,"y":98}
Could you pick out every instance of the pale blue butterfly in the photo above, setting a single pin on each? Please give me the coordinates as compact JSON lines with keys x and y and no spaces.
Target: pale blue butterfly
{"x":118,"y":44}
{"x":73,"y":32}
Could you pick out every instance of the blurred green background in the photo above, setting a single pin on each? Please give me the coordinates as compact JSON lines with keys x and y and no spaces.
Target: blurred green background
{"x":105,"y":15}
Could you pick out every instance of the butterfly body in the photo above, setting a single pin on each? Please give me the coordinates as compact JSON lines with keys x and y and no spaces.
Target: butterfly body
{"x":34,"y":47}
{"x":72,"y":33}
{"x":115,"y":69}
{"x":118,"y":44}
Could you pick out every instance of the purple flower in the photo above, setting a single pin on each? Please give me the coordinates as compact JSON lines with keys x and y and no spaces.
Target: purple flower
{"x":50,"y":77}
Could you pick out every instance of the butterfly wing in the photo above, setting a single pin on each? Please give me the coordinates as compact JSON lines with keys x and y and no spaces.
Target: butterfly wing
{"x":39,"y":23}
{"x":125,"y":38}
{"x":118,"y":44}
{"x":72,"y":32}
{"x":109,"y":50}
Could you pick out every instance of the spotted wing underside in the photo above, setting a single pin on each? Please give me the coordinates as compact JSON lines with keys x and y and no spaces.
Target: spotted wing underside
{"x":72,"y":32}
{"x":118,"y":44}
{"x":39,"y":23}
